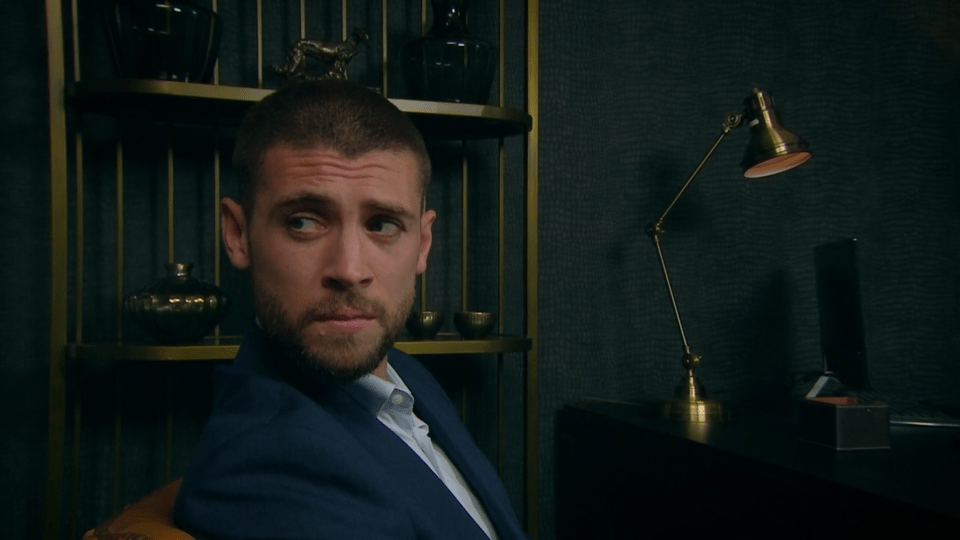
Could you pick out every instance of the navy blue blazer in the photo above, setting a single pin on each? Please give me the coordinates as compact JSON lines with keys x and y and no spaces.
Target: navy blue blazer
{"x":281,"y":459}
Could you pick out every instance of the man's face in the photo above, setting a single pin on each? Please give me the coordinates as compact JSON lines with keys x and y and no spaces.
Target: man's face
{"x":333,"y":246}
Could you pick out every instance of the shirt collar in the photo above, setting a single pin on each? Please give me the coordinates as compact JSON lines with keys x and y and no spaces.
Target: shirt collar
{"x":372,"y":392}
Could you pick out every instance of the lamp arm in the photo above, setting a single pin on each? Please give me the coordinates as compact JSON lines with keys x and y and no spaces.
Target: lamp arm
{"x":655,"y":231}
{"x":732,"y":120}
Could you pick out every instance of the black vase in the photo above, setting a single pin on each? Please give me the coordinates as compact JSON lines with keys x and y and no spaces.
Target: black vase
{"x":163,"y":39}
{"x":446,"y":64}
{"x":178,"y":308}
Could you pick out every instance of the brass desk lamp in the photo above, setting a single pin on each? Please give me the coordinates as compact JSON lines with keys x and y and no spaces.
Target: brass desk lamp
{"x":772,"y":150}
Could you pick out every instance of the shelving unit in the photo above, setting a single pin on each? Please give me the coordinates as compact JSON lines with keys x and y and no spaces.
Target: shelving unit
{"x":171,"y":102}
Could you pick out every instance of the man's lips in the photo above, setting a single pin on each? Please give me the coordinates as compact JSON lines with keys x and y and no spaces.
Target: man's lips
{"x":348,"y":321}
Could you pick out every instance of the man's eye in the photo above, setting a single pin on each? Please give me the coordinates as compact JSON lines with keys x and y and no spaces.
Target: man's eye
{"x":384,"y":227}
{"x":302,"y":223}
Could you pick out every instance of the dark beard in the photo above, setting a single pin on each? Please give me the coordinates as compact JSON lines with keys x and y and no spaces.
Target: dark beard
{"x":343,"y":358}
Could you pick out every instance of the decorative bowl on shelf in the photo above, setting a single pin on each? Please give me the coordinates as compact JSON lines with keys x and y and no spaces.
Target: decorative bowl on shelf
{"x":474,"y":324}
{"x":173,"y":40}
{"x":178,"y":308}
{"x":424,"y":324}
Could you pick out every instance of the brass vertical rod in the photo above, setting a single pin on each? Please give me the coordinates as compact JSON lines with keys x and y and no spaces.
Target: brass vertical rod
{"x":216,"y":214}
{"x":59,"y":269}
{"x":501,"y":62}
{"x":532,"y":258}
{"x":423,"y":278}
{"x":75,"y":475}
{"x":384,"y":60}
{"x":118,"y":402}
{"x":501,"y":175}
{"x":117,"y":436}
{"x":78,"y":233}
{"x":423,"y":291}
{"x":502,"y":237}
{"x":303,"y":19}
{"x":216,"y":66}
{"x":501,"y":240}
{"x":500,"y":417}
{"x":78,"y":319}
{"x":119,"y":228}
{"x":423,"y":16}
{"x":170,"y":196}
{"x":464,"y":241}
{"x":79,"y":276}
{"x":117,"y":395}
{"x":343,"y":20}
{"x":168,"y":457}
{"x":76,"y":40}
{"x":259,"y":43}
{"x":673,"y":299}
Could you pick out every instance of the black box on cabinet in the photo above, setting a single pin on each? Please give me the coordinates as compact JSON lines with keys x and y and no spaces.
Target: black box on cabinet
{"x":842,"y":423}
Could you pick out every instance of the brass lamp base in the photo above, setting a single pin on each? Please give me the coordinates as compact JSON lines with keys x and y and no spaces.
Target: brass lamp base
{"x":696,"y":410}
{"x":689,"y":403}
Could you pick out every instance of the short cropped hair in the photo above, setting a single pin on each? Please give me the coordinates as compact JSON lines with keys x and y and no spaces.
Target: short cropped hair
{"x":338,"y":115}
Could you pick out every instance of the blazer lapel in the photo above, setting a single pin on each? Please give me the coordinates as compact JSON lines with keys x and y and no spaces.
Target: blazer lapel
{"x":433,"y":406}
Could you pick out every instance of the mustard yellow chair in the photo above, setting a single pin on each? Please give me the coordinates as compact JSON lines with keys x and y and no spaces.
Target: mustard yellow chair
{"x":150,"y":518}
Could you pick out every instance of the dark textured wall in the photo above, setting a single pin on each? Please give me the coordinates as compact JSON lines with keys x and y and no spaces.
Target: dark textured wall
{"x":632,"y":94}
{"x":24,"y":278}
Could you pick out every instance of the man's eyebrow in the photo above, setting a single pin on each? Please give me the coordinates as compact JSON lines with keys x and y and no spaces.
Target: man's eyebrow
{"x":305,"y":199}
{"x":321,"y":202}
{"x":396,"y":210}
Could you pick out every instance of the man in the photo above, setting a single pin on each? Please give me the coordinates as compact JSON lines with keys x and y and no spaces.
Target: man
{"x":320,"y":429}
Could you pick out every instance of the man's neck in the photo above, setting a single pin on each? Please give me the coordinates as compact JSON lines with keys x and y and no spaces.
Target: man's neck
{"x":381,"y":370}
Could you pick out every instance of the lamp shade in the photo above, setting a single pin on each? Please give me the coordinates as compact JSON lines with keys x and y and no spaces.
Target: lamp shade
{"x":773,"y":149}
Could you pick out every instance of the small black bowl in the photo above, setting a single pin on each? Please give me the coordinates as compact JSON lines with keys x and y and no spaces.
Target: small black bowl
{"x":424,"y":324}
{"x":474,"y":324}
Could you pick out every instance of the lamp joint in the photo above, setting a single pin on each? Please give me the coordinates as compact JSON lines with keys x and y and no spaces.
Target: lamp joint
{"x":732,"y":120}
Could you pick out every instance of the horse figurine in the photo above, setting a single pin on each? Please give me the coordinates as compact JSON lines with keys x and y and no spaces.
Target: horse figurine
{"x":334,"y":54}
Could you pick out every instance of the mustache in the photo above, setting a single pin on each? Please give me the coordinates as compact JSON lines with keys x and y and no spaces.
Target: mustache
{"x":329,"y":308}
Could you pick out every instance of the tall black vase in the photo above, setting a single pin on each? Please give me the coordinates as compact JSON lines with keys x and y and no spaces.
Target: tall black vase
{"x":447,"y":64}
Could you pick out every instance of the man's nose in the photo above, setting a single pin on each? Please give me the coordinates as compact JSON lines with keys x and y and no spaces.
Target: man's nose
{"x":346,"y":265}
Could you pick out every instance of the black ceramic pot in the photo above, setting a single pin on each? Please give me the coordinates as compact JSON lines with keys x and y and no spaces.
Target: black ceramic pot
{"x":173,"y":40}
{"x":178,"y":308}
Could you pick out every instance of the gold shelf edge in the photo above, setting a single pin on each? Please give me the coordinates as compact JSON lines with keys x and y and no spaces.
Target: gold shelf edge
{"x":498,"y":344}
{"x":160,"y":353}
{"x":217,"y":352}
{"x":463,"y":110}
{"x":101,"y":87}
{"x":81,"y":90}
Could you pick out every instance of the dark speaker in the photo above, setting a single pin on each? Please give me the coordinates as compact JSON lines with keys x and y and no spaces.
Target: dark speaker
{"x":841,"y":315}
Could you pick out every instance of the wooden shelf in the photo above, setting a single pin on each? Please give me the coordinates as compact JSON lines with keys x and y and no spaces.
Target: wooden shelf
{"x":208,"y":104}
{"x":225,"y":348}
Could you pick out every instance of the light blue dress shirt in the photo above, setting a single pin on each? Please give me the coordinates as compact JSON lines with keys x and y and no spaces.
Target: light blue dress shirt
{"x":392,"y":403}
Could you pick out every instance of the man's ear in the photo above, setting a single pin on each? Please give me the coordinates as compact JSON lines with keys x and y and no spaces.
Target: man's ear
{"x":236,"y":238}
{"x":426,"y":239}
